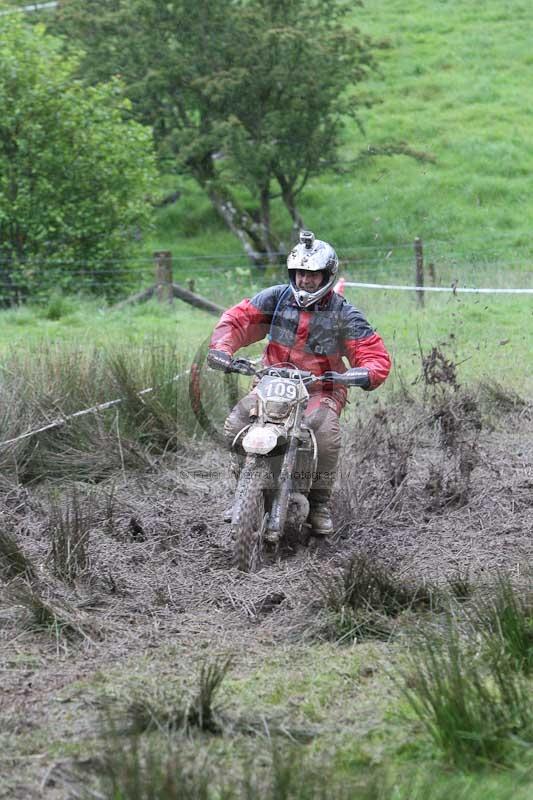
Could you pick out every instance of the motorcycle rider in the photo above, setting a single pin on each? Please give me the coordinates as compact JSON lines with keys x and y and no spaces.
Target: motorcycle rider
{"x":311,"y":327}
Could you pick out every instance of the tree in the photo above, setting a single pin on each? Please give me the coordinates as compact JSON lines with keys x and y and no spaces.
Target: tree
{"x":74,"y":176}
{"x":253,"y":92}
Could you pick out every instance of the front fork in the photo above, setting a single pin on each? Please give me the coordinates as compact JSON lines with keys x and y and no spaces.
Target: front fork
{"x":280,"y":504}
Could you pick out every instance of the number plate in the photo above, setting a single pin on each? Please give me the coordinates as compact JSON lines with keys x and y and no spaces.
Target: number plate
{"x":272,"y":388}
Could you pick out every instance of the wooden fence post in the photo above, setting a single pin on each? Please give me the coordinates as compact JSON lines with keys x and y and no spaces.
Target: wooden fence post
{"x":419,"y":274}
{"x":163,"y":276}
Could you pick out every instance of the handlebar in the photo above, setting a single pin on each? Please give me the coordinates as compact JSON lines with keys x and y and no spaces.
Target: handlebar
{"x":243,"y":366}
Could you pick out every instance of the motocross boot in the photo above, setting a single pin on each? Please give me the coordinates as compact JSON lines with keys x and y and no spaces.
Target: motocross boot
{"x":320,"y":519}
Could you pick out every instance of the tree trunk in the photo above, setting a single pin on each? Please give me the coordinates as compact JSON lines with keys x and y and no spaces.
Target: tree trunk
{"x":297,"y":221}
{"x":255,"y":237}
{"x":289,"y":201}
{"x":168,"y":200}
{"x":274,"y":249}
{"x":240,"y":224}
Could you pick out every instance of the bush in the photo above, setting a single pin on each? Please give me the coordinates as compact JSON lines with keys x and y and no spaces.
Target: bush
{"x":74,"y":175}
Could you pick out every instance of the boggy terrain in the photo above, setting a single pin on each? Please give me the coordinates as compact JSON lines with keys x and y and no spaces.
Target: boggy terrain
{"x":129,"y":582}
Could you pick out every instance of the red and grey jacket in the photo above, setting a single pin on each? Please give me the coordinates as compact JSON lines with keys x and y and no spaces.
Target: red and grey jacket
{"x":315,"y":338}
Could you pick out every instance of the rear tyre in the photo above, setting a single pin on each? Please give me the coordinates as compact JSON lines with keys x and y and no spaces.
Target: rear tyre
{"x":249,"y":512}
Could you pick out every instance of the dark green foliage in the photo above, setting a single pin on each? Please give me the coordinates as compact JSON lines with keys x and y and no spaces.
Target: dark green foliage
{"x":74,"y":176}
{"x":57,"y":306}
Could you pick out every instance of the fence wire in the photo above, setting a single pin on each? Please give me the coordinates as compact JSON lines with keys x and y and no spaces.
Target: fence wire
{"x":447,"y":267}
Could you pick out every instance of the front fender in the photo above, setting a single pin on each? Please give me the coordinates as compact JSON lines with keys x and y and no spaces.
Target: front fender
{"x":261,"y":439}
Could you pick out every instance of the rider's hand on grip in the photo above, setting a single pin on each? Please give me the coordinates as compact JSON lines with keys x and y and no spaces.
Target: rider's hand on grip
{"x":243,"y":366}
{"x":218,"y":359}
{"x":357,"y":376}
{"x":331,"y":377}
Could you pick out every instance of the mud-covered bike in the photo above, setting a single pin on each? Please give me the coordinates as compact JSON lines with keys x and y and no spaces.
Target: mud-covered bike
{"x":280,"y":460}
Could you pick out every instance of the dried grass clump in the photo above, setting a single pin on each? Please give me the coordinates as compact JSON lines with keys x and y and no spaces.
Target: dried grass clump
{"x":501,"y":399}
{"x":131,"y":771}
{"x":140,"y":770}
{"x":374,"y":469}
{"x":69,"y":528}
{"x":48,"y":388}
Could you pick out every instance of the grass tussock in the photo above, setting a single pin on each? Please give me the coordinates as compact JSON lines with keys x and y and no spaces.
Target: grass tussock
{"x":501,"y":399}
{"x":175,"y":708}
{"x":134,"y":772}
{"x":47,"y":389}
{"x":144,"y":769}
{"x":140,"y":770}
{"x":472,"y":702}
{"x":364,"y":599}
{"x":13,"y":561}
{"x":44,"y":615}
{"x":381,"y":481}
{"x":460,"y":586}
{"x":505,"y":621}
{"x":375,"y":468}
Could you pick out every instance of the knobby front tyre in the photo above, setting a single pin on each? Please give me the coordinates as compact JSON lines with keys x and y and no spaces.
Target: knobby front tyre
{"x":249,"y":514}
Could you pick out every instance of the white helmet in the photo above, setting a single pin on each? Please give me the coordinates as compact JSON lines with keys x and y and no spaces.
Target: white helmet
{"x":316,"y":256}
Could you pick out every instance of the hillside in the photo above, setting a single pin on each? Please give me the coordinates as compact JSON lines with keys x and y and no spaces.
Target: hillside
{"x":454,"y":83}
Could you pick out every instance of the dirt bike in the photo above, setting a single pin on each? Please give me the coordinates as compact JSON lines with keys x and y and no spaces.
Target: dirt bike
{"x":280,"y":461}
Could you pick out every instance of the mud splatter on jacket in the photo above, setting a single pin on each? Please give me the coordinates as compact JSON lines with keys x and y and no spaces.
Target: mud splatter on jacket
{"x":316,"y":338}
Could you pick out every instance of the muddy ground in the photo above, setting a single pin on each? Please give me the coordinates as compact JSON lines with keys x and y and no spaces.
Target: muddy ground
{"x":430,"y":496}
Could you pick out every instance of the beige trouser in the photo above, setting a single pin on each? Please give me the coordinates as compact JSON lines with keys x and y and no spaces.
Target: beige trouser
{"x":321,"y":417}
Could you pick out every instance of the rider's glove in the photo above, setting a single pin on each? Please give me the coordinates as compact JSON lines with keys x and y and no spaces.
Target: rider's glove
{"x":356,"y":376}
{"x":219,"y":359}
